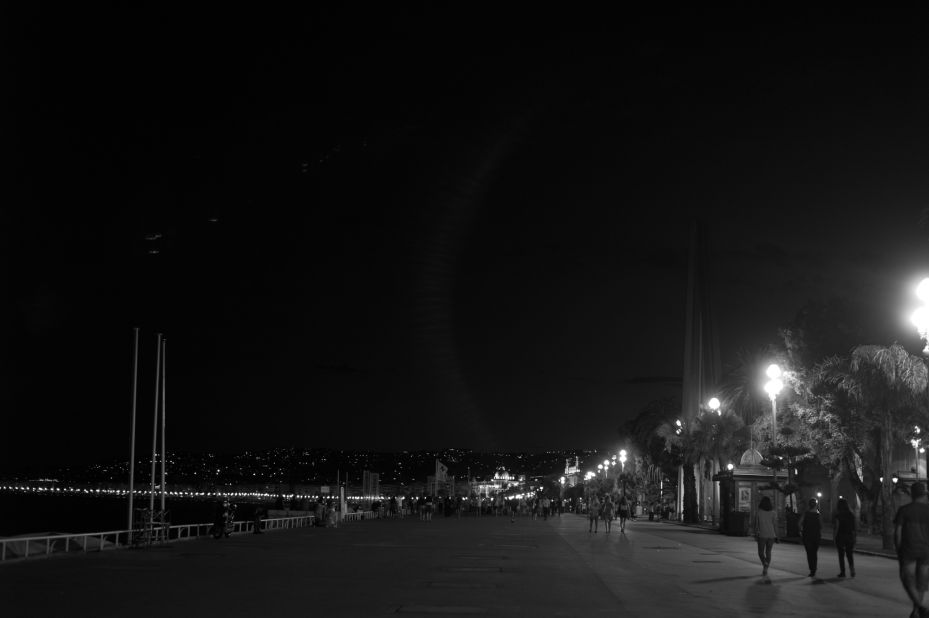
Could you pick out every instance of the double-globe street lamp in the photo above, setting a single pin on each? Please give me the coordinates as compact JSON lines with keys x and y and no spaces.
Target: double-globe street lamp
{"x":773,"y":387}
{"x":920,"y":319}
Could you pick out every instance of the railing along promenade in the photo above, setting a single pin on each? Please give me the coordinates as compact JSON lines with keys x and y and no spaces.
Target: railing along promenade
{"x":23,"y":547}
{"x":33,"y":546}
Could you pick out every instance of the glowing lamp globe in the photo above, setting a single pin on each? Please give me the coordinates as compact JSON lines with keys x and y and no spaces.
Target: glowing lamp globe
{"x":773,"y":372}
{"x":773,"y":387}
{"x":920,"y":319}
{"x":922,"y":290}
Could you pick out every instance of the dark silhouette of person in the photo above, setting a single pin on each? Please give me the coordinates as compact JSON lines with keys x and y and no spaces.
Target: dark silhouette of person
{"x":844,"y":533}
{"x":911,"y":539}
{"x":259,"y":513}
{"x":811,"y":528}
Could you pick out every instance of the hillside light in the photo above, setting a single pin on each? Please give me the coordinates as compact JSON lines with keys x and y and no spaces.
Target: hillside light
{"x":714,"y":406}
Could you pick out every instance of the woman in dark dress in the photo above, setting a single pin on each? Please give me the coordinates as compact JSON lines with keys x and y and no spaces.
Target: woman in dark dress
{"x":844,"y":531}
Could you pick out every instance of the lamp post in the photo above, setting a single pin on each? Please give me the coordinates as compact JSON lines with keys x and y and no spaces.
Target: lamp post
{"x":622,"y":463}
{"x":915,"y":442}
{"x":920,"y":319}
{"x":714,"y":406}
{"x":773,"y":387}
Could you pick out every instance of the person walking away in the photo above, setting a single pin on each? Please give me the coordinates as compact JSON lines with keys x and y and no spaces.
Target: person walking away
{"x":911,"y":540}
{"x":546,"y":507}
{"x":844,"y":532}
{"x":623,"y":513}
{"x":607,"y":513}
{"x":811,"y":527}
{"x":765,"y":527}
{"x":259,"y":513}
{"x":593,"y":514}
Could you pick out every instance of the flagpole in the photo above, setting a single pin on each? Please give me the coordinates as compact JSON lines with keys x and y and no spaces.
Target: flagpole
{"x":151,"y":501}
{"x":135,"y":393}
{"x":164,"y":376}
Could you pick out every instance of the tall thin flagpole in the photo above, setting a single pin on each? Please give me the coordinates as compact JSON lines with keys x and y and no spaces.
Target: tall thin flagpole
{"x":135,"y":392}
{"x":164,"y":376}
{"x":151,"y":503}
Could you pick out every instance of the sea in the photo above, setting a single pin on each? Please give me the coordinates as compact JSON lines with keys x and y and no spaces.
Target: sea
{"x":29,"y":513}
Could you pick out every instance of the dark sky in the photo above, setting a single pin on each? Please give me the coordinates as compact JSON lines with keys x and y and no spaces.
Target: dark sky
{"x":424,"y":227}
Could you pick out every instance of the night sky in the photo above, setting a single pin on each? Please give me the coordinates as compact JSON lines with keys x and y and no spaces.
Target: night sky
{"x":419,"y":228}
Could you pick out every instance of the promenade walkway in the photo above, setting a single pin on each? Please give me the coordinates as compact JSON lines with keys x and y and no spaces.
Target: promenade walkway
{"x":469,"y":566}
{"x":868,"y":544}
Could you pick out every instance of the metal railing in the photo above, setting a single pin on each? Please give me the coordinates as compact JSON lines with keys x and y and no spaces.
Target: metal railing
{"x":30,"y":546}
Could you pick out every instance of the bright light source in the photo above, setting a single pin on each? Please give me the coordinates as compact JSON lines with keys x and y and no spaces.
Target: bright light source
{"x":773,"y":372}
{"x":714,"y":404}
{"x":729,"y":466}
{"x":819,"y":494}
{"x":922,"y":290}
{"x":622,"y":453}
{"x":920,"y":319}
{"x":773,"y":387}
{"x":678,"y":422}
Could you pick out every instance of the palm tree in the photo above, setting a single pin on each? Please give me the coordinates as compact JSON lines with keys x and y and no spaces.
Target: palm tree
{"x":679,"y":446}
{"x":884,"y":385}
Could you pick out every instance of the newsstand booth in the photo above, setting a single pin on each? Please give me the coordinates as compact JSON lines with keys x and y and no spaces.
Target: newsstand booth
{"x":740,"y":491}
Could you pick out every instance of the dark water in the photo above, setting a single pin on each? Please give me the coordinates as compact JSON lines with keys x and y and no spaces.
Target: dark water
{"x":37,"y":513}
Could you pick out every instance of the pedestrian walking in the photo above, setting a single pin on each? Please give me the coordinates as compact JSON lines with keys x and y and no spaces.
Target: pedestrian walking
{"x":811,"y":528}
{"x":911,"y":539}
{"x":844,"y":533}
{"x":765,"y":527}
{"x":593,"y":514}
{"x":623,"y":513}
{"x":607,"y":513}
{"x":258,"y":515}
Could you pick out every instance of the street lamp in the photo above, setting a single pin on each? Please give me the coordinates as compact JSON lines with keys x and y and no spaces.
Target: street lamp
{"x":714,"y":406}
{"x":773,"y":387}
{"x":622,"y":459}
{"x":915,"y":444}
{"x":920,"y":317}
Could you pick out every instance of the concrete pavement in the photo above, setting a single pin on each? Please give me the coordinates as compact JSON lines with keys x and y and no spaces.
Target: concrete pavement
{"x":469,"y":566}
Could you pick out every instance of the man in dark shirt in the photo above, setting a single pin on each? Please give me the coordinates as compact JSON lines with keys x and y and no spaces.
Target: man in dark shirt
{"x":911,"y":538}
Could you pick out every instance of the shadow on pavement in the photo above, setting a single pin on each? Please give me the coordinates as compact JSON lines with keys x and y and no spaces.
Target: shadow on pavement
{"x":724,"y":579}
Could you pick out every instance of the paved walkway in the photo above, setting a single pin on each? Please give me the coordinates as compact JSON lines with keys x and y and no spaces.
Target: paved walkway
{"x":470,"y":566}
{"x":867,"y":544}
